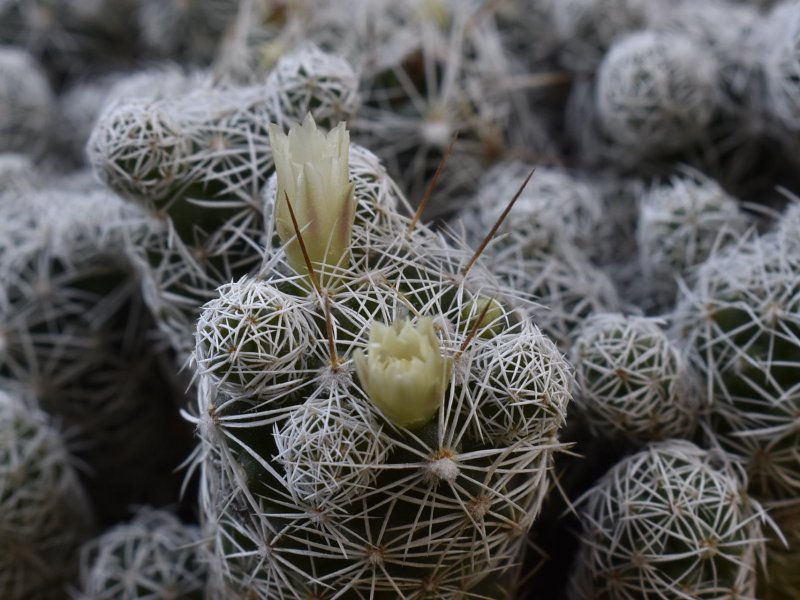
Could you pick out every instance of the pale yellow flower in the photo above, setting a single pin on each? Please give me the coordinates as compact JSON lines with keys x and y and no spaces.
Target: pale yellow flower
{"x":404,"y":372}
{"x":313,"y":172}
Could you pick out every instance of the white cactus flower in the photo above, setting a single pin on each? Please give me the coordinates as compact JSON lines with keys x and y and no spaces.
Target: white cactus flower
{"x":313,"y":172}
{"x":404,"y":372}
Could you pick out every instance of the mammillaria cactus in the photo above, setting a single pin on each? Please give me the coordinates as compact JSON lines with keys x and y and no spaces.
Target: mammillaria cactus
{"x":81,"y":104}
{"x":74,"y":332}
{"x":669,"y":522}
{"x":44,"y":515}
{"x":154,"y":556}
{"x":25,"y":102}
{"x":656,"y":92}
{"x":680,"y":223}
{"x":555,"y":207}
{"x":633,"y":382}
{"x":317,"y":481}
{"x":741,"y":322}
{"x":198,"y":162}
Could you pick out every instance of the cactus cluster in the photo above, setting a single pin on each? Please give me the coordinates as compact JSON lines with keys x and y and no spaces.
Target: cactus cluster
{"x":297,"y":296}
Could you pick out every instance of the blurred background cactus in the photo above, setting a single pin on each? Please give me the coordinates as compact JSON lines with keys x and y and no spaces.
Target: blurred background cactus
{"x":264,"y":366}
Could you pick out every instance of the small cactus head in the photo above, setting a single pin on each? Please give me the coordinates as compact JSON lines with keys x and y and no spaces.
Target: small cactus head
{"x":404,"y":372}
{"x":313,"y":177}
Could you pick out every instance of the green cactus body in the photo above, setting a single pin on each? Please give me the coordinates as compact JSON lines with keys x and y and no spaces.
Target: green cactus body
{"x":315,"y":491}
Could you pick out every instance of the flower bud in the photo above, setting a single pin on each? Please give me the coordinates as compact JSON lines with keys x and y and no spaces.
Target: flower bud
{"x":313,"y":173}
{"x":491,"y":315}
{"x":404,"y":372}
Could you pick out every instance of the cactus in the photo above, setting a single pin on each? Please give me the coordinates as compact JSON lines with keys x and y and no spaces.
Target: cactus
{"x":565,"y":285}
{"x":44,"y":515}
{"x":26,"y":102}
{"x":197,"y":163}
{"x":417,"y":103}
{"x":152,"y":556}
{"x":76,"y":334}
{"x":741,"y":322}
{"x":633,"y":382}
{"x":309,"y":80}
{"x":671,"y":521}
{"x":656,"y":92}
{"x":681,"y":223}
{"x":317,"y":482}
{"x":588,"y":28}
{"x":555,"y":207}
{"x":79,"y":107}
{"x":735,"y":48}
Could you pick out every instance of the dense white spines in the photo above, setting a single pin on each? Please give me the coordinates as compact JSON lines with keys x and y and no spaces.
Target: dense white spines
{"x":153,"y":556}
{"x":564,"y":283}
{"x":681,"y":222}
{"x":321,"y":491}
{"x":554,"y":208}
{"x":331,"y":449}
{"x":77,"y":335}
{"x":309,"y":80}
{"x":656,"y":92}
{"x":633,"y":382}
{"x":669,"y":522}
{"x":741,"y":321}
{"x":251,"y":336}
{"x":519,"y":393}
